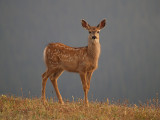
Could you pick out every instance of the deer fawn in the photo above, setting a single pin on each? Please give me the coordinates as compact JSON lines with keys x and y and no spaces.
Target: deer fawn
{"x":83,"y":60}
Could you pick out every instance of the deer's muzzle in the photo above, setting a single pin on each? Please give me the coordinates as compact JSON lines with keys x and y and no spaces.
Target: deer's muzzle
{"x":94,"y":37}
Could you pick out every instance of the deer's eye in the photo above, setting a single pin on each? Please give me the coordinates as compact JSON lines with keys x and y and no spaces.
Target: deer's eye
{"x":89,"y":31}
{"x":97,"y":31}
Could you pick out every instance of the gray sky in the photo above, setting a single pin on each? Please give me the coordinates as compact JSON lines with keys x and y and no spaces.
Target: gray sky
{"x":129,"y":65}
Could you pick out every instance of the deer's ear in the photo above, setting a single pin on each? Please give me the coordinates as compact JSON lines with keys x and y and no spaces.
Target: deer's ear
{"x":102,"y":24}
{"x":85,"y":24}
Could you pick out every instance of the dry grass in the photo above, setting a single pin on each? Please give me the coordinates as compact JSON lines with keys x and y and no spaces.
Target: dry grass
{"x":26,"y":109}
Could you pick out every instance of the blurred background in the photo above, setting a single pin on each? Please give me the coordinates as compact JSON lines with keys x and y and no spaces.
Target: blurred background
{"x":129,"y":65}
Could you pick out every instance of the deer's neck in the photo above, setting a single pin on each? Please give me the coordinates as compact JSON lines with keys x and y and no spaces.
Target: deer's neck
{"x":94,"y":49}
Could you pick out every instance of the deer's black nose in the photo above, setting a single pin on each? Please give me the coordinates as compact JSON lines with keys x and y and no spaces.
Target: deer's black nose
{"x":93,"y":37}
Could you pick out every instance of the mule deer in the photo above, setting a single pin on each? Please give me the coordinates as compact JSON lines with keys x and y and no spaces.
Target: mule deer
{"x":83,"y":60}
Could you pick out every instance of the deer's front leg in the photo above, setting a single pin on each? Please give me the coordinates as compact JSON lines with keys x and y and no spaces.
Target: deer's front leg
{"x":85,"y":87}
{"x":89,"y":75}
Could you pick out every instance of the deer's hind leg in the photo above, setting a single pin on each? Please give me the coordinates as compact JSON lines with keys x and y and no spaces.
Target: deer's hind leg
{"x":54,"y":78}
{"x":45,"y":76}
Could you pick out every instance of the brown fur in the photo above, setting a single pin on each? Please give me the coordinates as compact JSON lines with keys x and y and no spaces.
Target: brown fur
{"x":83,"y":60}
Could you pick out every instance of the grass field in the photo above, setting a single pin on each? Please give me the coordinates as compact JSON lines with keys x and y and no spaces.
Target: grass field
{"x":18,"y":108}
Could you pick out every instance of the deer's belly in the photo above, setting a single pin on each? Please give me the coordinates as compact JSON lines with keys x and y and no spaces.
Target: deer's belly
{"x":70,"y":67}
{"x":88,"y":67}
{"x":92,"y":67}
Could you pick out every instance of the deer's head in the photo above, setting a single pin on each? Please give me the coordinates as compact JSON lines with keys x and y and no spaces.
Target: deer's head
{"x":93,"y":30}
